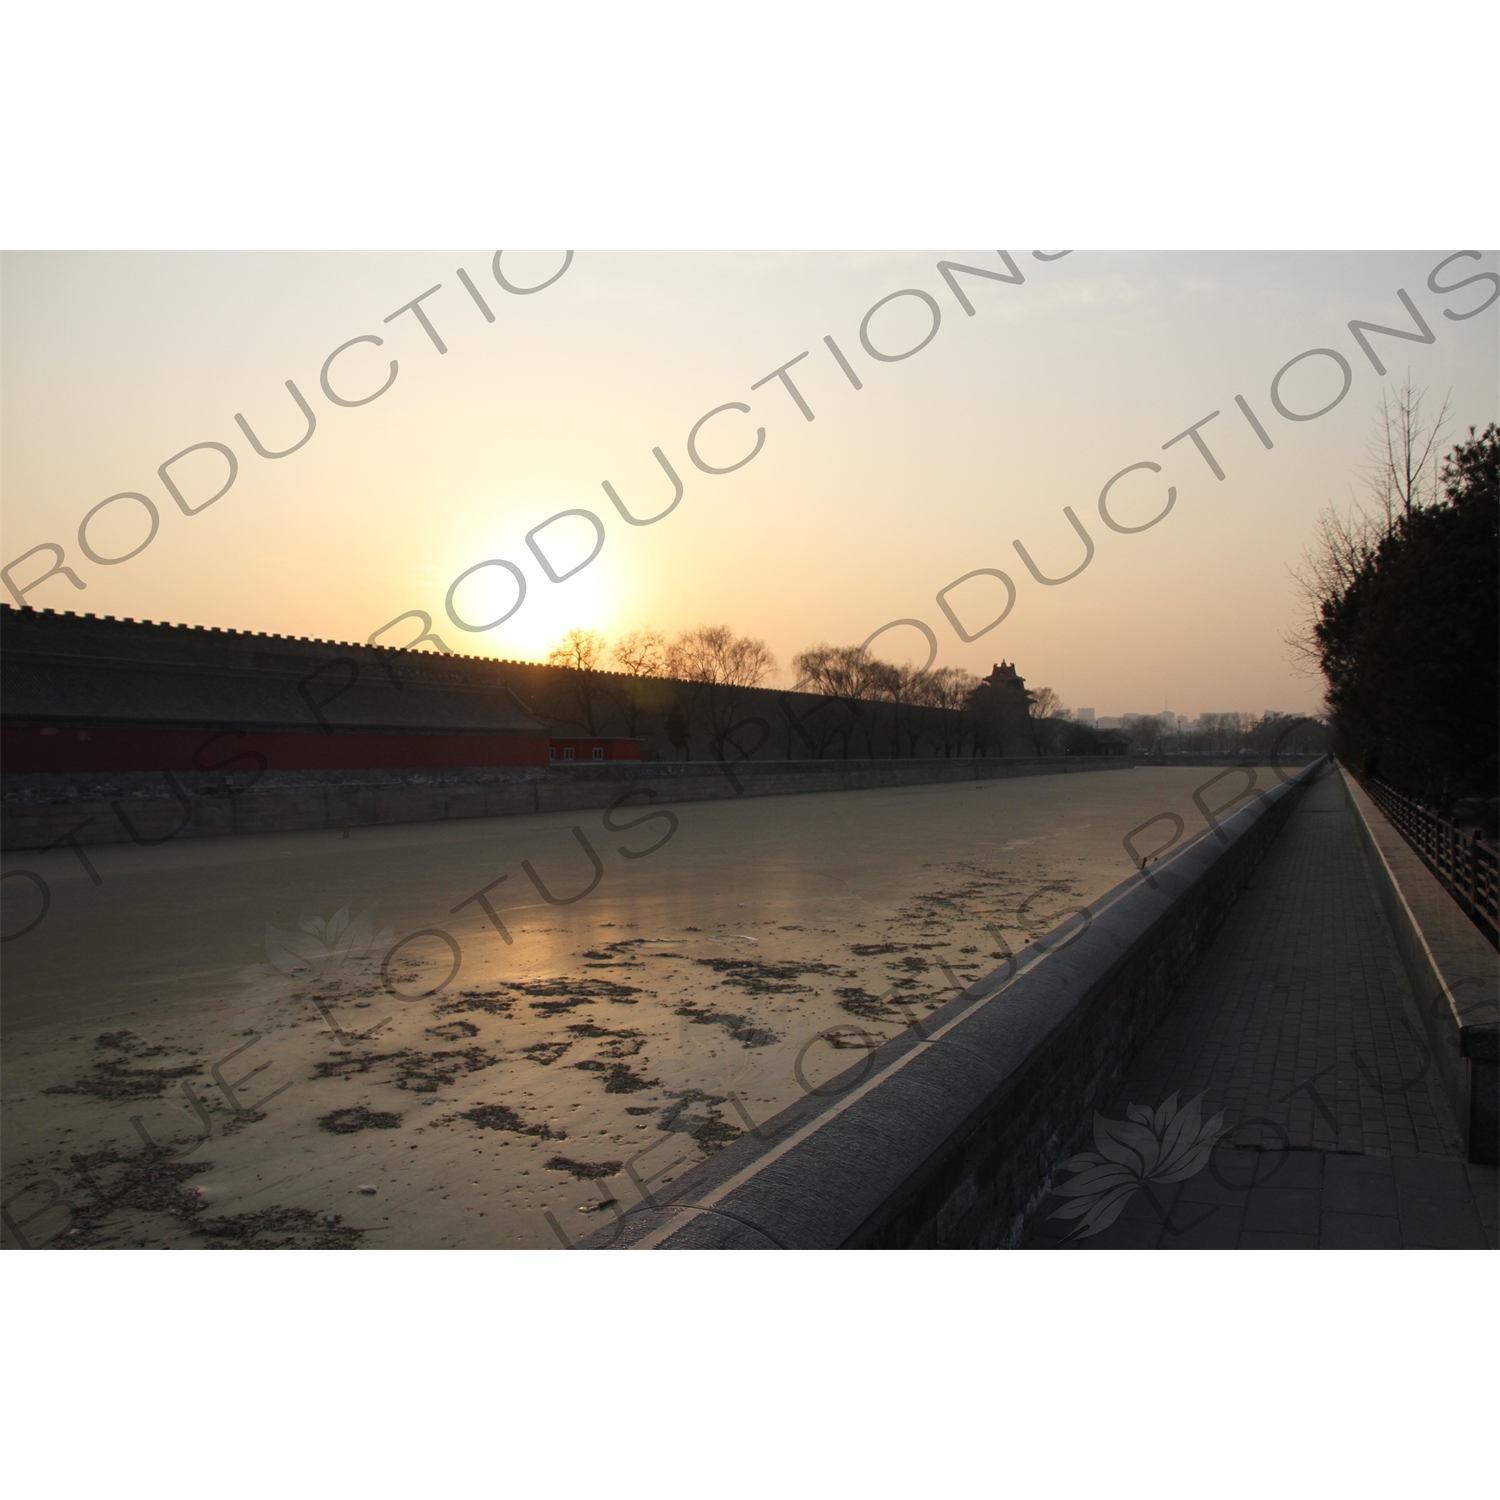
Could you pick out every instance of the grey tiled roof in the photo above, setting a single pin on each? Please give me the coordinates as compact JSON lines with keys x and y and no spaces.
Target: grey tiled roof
{"x":74,"y":669}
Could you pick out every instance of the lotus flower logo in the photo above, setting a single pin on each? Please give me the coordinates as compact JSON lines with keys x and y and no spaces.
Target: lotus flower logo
{"x":320,"y":955}
{"x":1161,"y":1146}
{"x":330,"y":943}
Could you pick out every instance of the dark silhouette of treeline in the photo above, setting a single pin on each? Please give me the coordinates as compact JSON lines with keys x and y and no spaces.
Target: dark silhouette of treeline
{"x":677,"y":720}
{"x":702,"y":696}
{"x":1406,"y":616}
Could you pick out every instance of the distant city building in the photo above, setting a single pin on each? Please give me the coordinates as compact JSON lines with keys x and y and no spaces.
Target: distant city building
{"x":1085,"y":716}
{"x":1109,"y":723}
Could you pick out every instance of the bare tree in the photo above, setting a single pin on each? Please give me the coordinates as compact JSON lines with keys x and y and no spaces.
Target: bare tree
{"x":720,"y":667}
{"x":947,"y":690}
{"x":908,"y":693}
{"x":852,"y":678}
{"x":715,"y":654}
{"x":1405,"y":444}
{"x":1145,"y":731}
{"x":1343,"y":543}
{"x":642,"y":653}
{"x":642,"y":658}
{"x":1045,"y":706}
{"x":1397,"y":474}
{"x":581,"y":652}
{"x":816,"y":727}
{"x":1221,"y":733}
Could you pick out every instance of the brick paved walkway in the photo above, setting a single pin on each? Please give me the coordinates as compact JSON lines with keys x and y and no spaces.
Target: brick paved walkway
{"x":1301,"y":1027}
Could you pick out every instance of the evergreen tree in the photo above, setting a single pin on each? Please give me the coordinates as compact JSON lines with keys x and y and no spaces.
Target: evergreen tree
{"x":1407,"y":639}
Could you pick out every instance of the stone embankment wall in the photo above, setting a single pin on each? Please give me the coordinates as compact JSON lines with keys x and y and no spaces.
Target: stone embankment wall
{"x":41,"y":810}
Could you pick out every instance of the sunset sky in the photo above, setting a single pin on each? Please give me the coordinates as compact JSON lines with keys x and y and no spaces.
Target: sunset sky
{"x":113,"y":363}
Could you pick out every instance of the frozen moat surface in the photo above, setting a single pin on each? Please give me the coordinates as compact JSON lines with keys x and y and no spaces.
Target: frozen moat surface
{"x":609,"y":1037}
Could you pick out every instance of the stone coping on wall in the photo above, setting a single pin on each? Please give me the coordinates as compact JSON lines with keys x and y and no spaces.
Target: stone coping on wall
{"x":75,"y":787}
{"x":39,"y":810}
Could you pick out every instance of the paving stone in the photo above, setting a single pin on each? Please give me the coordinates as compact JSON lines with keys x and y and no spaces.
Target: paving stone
{"x":1431,"y":1177}
{"x":1440,"y":1224}
{"x":1485,"y":1182}
{"x":1220,"y":1187}
{"x":1143,"y":1209}
{"x":1283,"y":1210}
{"x":1346,"y":1231}
{"x":1260,"y":1240}
{"x":1124,"y":1234}
{"x":1295,"y":1169}
{"x":1199,"y":1226}
{"x":1359,"y":1185}
{"x":1036,"y":1241}
{"x":1242,"y":1171}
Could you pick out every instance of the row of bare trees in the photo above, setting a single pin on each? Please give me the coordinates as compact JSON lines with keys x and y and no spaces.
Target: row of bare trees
{"x":707,"y":653}
{"x":700,"y":674}
{"x":1226,"y":734}
{"x":701,"y":685}
{"x":858,"y":686}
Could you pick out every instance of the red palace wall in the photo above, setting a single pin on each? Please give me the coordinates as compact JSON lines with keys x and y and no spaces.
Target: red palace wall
{"x":26,"y":749}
